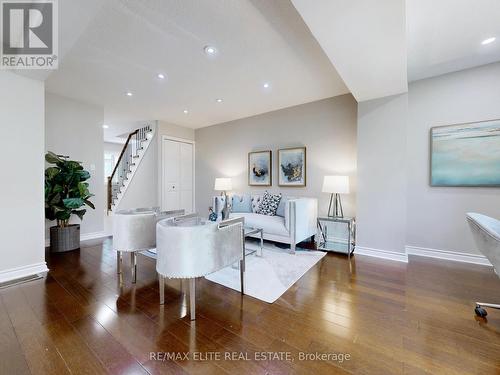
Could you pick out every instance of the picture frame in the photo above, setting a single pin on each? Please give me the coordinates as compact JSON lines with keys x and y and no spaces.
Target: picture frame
{"x":260,"y":168}
{"x":292,"y":167}
{"x":465,"y":154}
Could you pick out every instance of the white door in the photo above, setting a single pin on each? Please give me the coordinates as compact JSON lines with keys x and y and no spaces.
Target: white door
{"x":178,"y":181}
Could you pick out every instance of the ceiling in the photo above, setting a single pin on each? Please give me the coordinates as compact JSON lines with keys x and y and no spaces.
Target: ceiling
{"x":364,"y":39}
{"x":305,"y":50}
{"x":445,"y":36}
{"x":127,"y":43}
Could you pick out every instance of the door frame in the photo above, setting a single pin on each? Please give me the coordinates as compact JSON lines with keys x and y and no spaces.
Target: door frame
{"x":162,"y":169}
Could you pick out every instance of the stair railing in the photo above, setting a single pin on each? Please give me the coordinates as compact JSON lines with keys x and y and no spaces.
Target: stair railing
{"x":125,"y":162}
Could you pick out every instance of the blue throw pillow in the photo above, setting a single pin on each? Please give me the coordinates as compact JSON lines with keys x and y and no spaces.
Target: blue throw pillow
{"x":242,"y":203}
{"x":281,"y":207}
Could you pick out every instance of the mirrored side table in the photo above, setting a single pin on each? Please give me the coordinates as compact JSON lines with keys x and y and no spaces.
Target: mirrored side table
{"x":337,"y":245}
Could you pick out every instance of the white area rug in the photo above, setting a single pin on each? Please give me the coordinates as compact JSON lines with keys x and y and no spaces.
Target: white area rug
{"x":266,"y":277}
{"x":269,"y":276}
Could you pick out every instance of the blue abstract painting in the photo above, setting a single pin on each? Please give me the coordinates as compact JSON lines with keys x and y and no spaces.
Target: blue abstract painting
{"x":259,"y":168}
{"x":466,"y":154}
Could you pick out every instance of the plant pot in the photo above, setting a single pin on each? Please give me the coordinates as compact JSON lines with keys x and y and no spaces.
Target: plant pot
{"x":64,"y":239}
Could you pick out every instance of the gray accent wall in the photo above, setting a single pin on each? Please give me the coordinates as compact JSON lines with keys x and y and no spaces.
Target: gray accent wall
{"x":327,"y":128}
{"x":381,"y":214}
{"x":396,"y":205}
{"x":436,"y":215}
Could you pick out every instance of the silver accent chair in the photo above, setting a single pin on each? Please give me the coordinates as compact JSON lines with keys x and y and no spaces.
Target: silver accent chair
{"x":486,"y":233}
{"x":135,"y":230}
{"x":189,"y":247}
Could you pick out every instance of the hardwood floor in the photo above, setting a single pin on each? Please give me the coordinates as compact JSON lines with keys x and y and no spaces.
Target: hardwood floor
{"x":391,"y":318}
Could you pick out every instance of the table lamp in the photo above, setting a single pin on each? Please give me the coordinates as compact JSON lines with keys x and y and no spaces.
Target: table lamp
{"x":335,"y":185}
{"x":223,"y":185}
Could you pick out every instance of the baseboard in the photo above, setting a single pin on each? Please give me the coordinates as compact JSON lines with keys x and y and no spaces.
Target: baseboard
{"x":85,"y":237}
{"x":24,"y":271}
{"x":383,"y":254}
{"x":447,"y":255}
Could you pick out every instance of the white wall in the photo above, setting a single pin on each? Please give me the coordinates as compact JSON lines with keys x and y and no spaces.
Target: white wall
{"x":397,"y":207}
{"x":381,"y":214}
{"x":327,"y":128}
{"x":436,"y":215}
{"x":74,"y":128}
{"x":22,"y":210}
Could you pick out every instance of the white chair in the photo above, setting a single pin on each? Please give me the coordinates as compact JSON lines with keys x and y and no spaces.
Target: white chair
{"x":189,"y":247}
{"x":135,"y":230}
{"x":486,"y":233}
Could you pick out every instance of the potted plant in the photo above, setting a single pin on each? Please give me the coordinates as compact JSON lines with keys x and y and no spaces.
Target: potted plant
{"x":66,"y":192}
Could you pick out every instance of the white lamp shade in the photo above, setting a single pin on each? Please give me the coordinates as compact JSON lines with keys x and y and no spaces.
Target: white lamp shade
{"x":336,"y":184}
{"x":223,"y":184}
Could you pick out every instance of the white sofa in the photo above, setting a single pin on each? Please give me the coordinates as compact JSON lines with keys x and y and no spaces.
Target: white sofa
{"x":296,"y":225}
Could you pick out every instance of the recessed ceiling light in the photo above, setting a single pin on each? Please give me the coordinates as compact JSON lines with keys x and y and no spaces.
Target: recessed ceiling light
{"x":129,"y":93}
{"x":105,"y":126}
{"x":185,"y":111}
{"x":161,"y":76}
{"x":488,"y":41}
{"x":266,"y":85}
{"x":218,"y":100}
{"x":209,"y":50}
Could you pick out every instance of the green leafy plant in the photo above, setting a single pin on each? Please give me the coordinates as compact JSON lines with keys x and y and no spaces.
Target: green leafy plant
{"x":66,"y":191}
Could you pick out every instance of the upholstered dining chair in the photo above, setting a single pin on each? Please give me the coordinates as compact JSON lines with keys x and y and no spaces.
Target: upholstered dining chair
{"x":189,"y":247}
{"x":135,"y":230}
{"x":486,"y":233}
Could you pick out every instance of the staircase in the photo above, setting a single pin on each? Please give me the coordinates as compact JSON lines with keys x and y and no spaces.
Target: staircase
{"x":132,"y":153}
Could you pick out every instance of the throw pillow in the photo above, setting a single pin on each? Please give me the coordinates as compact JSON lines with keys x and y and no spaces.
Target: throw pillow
{"x":281,"y":207}
{"x":242,"y":203}
{"x":269,"y":204}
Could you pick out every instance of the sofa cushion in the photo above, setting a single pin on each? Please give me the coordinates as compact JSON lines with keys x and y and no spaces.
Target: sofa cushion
{"x":281,"y":207}
{"x":241,"y":203}
{"x":270,"y":224}
{"x":269,"y":204}
{"x":256,"y":199}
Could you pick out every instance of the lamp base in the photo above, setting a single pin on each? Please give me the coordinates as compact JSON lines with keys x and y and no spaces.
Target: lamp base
{"x":337,"y":206}
{"x":225,"y":210}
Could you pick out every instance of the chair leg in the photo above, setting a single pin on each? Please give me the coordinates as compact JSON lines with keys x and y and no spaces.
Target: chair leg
{"x":161,"y":279}
{"x":292,"y":248}
{"x":242,"y":275}
{"x":192,"y":298}
{"x":492,"y":305}
{"x":133,"y":262}
{"x":119,"y":261}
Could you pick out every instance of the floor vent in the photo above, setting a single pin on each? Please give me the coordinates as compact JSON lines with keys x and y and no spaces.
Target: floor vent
{"x":22,"y":280}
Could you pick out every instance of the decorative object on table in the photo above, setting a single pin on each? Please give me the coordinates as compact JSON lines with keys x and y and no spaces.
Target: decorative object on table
{"x":335,"y":244}
{"x":466,"y":154}
{"x":335,"y":185}
{"x":224,"y":185}
{"x":181,"y":254}
{"x":212,"y":216}
{"x":260,"y":168}
{"x":66,"y":192}
{"x":292,"y":167}
{"x":269,"y":204}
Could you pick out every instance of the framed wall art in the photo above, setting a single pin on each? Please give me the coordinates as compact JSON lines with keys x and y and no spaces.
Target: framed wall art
{"x":260,"y":168}
{"x":292,"y":167}
{"x":465,"y":154}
